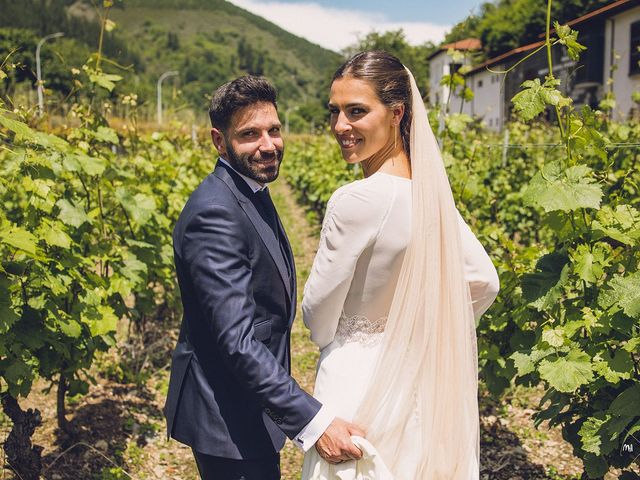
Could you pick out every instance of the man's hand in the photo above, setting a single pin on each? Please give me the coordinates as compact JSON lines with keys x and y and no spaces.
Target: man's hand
{"x":335,"y":444}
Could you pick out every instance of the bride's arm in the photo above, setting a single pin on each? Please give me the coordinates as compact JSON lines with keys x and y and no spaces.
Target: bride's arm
{"x":349,"y":226}
{"x":478,"y":270}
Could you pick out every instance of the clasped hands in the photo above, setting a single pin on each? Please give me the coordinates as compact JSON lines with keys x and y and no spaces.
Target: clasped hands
{"x":335,"y":444}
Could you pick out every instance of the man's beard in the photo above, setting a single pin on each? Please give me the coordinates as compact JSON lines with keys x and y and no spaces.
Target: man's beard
{"x":250,"y":166}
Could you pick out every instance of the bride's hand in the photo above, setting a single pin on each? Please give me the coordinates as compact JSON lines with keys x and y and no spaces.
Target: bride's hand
{"x":335,"y":444}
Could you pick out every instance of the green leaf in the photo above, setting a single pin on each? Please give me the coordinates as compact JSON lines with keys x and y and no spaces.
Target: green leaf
{"x":554,"y":337}
{"x":70,"y":327}
{"x":621,"y":224}
{"x":623,"y":292}
{"x":567,"y":373}
{"x":71,"y":214}
{"x":534,"y":97}
{"x":458,"y":122}
{"x":106,"y":323}
{"x":21,"y":239}
{"x":558,"y":188}
{"x":569,"y":38}
{"x":632,"y":345}
{"x":17,"y":371}
{"x":545,"y":286}
{"x":626,"y":404}
{"x":133,"y":269}
{"x":54,"y":235}
{"x":590,"y":434}
{"x":616,"y":368}
{"x":105,"y":80}
{"x":525,"y":363}
{"x":139,"y":207}
{"x":91,"y":165}
{"x":22,"y":130}
{"x":590,"y":261}
{"x":106,"y":134}
{"x":595,"y":466}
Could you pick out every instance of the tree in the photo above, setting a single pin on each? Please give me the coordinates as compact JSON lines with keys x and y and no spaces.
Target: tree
{"x":395,"y":42}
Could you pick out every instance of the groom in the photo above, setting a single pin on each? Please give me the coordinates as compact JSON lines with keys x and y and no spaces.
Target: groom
{"x":231,"y":397}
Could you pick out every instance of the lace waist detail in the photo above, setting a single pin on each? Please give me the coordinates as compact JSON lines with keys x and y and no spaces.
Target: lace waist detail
{"x":358,"y":328}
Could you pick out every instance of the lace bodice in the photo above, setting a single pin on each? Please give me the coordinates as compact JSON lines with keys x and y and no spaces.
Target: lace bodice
{"x":358,"y":328}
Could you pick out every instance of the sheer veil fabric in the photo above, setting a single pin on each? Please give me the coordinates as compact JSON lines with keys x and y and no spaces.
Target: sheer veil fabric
{"x":428,"y":361}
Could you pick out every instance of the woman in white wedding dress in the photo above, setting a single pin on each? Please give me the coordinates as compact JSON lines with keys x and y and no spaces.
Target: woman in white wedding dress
{"x":395,"y":289}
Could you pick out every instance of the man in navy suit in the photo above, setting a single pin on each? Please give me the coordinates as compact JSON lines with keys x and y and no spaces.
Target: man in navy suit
{"x":231,"y":397}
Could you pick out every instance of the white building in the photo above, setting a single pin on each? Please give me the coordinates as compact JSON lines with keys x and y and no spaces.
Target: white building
{"x":442,"y":63}
{"x":622,"y":47}
{"x":612,"y":37}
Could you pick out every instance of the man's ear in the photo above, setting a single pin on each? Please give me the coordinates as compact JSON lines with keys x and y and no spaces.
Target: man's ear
{"x":219,"y":141}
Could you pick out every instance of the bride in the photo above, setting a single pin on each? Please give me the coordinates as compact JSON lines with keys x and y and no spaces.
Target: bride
{"x":395,"y":289}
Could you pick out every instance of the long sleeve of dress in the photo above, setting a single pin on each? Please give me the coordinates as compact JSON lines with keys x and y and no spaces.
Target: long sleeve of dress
{"x":350,"y":225}
{"x":478,"y":271}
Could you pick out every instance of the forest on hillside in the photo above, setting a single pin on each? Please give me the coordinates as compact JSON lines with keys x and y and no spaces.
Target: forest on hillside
{"x":208,"y":43}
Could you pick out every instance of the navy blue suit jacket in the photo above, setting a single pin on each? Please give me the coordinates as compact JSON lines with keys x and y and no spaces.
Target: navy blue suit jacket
{"x":230,"y":392}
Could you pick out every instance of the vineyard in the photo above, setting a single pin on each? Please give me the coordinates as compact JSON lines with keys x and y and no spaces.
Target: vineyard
{"x":89,"y":301}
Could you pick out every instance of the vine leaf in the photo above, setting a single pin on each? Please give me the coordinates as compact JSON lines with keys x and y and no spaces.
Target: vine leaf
{"x":590,"y":434}
{"x":624,"y":292}
{"x":105,"y":80}
{"x":566,"y":189}
{"x":590,"y":261}
{"x":139,"y":206}
{"x":567,"y":373}
{"x":21,"y":239}
{"x":71,"y":214}
{"x":22,"y":130}
{"x":543,"y":288}
{"x":569,"y":38}
{"x":621,"y":224}
{"x":626,"y":404}
{"x":534,"y":97}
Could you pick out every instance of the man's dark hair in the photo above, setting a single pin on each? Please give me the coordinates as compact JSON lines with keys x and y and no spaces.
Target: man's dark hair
{"x":238,"y":93}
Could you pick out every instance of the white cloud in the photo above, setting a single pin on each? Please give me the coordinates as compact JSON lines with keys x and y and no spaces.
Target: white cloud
{"x":336,"y":28}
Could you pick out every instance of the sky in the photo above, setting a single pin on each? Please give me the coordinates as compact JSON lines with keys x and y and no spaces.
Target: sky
{"x":337,"y":24}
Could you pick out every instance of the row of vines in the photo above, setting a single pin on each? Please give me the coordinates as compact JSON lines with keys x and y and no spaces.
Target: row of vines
{"x":558,"y":211}
{"x":85,"y":244}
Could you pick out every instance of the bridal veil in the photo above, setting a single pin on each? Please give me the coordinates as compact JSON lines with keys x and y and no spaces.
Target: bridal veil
{"x":428,"y":362}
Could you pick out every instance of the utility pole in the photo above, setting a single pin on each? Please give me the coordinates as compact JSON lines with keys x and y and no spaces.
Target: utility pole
{"x":171,"y":73}
{"x":39,"y":82}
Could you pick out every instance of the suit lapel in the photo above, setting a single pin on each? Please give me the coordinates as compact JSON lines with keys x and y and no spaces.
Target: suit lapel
{"x":242,"y":192}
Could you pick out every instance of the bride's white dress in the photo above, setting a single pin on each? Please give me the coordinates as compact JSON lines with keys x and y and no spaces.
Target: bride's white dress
{"x":347,"y":298}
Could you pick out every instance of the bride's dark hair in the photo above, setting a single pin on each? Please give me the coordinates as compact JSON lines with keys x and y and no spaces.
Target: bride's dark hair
{"x":389,"y":79}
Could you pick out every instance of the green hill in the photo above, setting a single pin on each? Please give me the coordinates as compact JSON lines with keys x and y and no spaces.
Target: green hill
{"x":207,"y":41}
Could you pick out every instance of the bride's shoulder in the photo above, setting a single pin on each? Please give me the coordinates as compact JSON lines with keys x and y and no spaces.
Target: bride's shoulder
{"x":360,"y":199}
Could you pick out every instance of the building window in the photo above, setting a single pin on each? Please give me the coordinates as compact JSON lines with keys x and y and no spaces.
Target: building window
{"x":479,"y":83}
{"x":454,"y":67}
{"x":634,"y":49}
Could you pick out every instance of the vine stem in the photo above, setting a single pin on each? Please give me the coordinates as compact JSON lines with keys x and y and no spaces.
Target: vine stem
{"x":550,"y":62}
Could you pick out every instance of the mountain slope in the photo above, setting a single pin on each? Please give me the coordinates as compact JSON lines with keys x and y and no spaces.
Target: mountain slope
{"x":207,"y":41}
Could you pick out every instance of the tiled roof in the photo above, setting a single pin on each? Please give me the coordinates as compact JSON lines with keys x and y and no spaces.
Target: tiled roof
{"x":466,"y":44}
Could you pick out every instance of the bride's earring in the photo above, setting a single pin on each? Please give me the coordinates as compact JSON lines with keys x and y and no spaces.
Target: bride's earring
{"x":395,"y":136}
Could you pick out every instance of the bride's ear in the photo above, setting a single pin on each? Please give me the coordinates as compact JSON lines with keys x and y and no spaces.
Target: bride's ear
{"x":398,"y":113}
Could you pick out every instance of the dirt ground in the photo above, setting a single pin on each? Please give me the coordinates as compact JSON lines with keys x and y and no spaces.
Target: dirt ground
{"x":120,"y":429}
